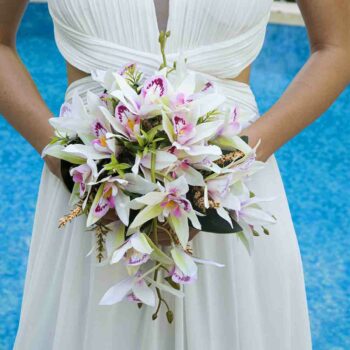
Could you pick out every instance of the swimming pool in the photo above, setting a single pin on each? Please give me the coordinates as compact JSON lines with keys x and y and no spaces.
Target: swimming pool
{"x":314,"y":165}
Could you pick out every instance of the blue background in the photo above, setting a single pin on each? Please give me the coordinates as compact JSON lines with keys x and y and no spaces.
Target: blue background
{"x":314,"y":165}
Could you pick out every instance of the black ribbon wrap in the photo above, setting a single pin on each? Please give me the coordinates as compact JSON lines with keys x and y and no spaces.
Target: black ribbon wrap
{"x":66,"y":177}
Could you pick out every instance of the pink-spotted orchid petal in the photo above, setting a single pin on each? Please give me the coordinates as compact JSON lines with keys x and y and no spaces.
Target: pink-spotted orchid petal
{"x":80,"y":175}
{"x":184,"y":262}
{"x":179,"y":277}
{"x":184,"y":129}
{"x":114,"y":123}
{"x":118,"y":292}
{"x":177,"y":187}
{"x":154,"y":88}
{"x":144,"y":293}
{"x":135,"y":251}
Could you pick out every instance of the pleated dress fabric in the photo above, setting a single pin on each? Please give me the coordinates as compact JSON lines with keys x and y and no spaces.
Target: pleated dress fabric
{"x":255,"y":302}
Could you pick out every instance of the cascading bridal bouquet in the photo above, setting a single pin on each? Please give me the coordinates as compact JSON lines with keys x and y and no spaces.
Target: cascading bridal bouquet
{"x":165,"y":154}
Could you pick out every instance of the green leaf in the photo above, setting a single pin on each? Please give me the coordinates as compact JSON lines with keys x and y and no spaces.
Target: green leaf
{"x":153,"y":132}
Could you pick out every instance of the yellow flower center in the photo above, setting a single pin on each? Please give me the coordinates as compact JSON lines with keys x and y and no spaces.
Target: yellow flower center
{"x":103,"y":141}
{"x":131,"y":124}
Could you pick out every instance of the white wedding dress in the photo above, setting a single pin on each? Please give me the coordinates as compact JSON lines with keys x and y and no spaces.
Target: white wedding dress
{"x":255,"y":302}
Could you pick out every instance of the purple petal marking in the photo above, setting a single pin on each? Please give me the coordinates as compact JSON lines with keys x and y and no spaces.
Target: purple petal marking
{"x":208,"y":85}
{"x":101,"y":208}
{"x":65,"y":110}
{"x":126,"y":67}
{"x":120,"y":112}
{"x":98,"y":129}
{"x":133,"y":298}
{"x":177,"y":211}
{"x":137,"y":259}
{"x":178,"y":276}
{"x":78,"y":177}
{"x":82,"y":188}
{"x":157,"y":83}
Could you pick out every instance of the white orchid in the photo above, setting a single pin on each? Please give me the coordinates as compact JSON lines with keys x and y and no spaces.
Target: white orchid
{"x":135,"y":251}
{"x":184,"y":270}
{"x":83,"y":174}
{"x":132,"y":289}
{"x":111,"y":194}
{"x":170,"y":203}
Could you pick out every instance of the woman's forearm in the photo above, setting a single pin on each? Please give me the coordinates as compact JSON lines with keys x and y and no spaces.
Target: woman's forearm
{"x":313,"y":90}
{"x":20,"y":101}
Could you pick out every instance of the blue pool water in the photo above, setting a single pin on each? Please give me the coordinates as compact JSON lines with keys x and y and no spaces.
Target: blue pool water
{"x":315,"y":168}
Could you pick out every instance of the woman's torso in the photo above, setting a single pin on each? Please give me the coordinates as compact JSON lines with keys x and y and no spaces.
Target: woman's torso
{"x":220,"y":37}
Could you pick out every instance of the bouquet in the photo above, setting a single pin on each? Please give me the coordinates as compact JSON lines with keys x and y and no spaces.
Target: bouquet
{"x":165,"y":154}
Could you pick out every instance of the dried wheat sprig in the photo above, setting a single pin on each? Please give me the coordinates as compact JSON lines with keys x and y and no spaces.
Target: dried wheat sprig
{"x":199,"y":199}
{"x":78,"y":210}
{"x":100,"y":233}
{"x":229,"y":157}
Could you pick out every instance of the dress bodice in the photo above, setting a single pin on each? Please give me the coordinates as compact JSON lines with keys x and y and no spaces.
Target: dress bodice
{"x":218,"y":37}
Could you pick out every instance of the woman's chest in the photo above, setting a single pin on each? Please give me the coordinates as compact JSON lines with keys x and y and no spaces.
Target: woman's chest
{"x":192,"y":22}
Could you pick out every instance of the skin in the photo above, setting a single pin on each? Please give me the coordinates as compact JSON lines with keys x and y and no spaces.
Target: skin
{"x":316,"y":86}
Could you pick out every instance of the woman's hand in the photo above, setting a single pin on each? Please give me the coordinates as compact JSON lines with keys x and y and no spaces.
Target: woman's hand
{"x":254,"y":135}
{"x":54,"y":165}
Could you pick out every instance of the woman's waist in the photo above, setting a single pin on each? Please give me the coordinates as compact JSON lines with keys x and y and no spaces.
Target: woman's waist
{"x":237,"y":93}
{"x":73,"y":74}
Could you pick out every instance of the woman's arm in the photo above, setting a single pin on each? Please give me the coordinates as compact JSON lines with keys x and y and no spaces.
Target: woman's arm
{"x":324,"y":76}
{"x":20,"y":101}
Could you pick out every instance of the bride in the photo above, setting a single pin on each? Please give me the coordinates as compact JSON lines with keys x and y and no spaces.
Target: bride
{"x":256,"y":302}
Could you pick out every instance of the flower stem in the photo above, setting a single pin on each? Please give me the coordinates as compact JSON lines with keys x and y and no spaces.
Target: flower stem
{"x":155,"y":267}
{"x":163,"y":36}
{"x":168,"y":233}
{"x":153,"y":178}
